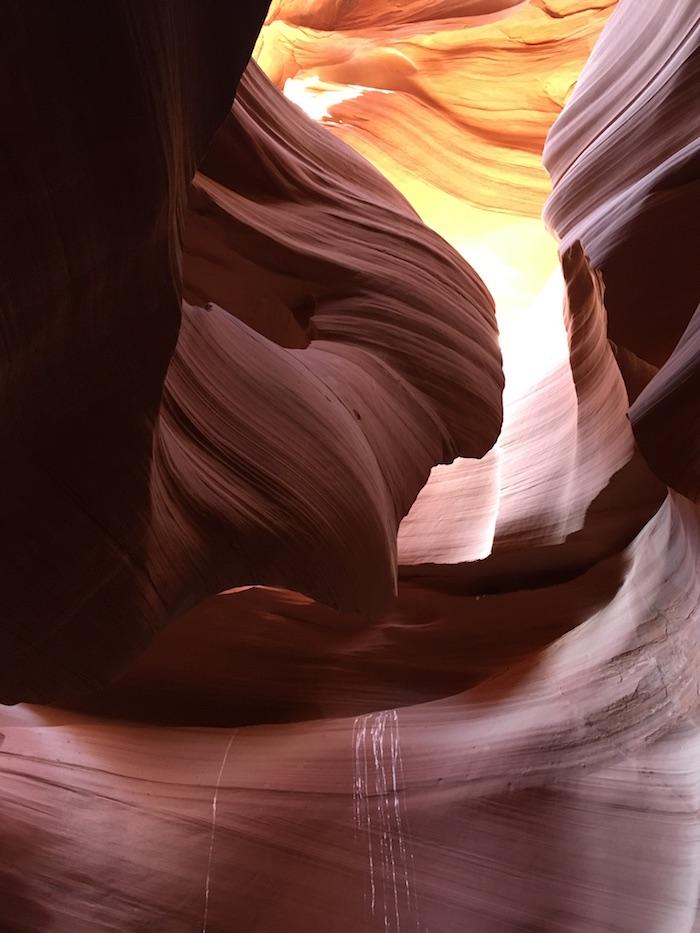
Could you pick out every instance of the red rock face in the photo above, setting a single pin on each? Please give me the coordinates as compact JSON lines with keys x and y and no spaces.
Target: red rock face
{"x":351,"y":523}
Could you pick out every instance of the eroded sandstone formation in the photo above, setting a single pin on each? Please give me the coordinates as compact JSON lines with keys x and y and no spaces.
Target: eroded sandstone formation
{"x":336,"y":489}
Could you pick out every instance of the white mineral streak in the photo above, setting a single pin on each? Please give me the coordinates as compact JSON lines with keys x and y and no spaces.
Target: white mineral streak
{"x":212,"y":835}
{"x":379,"y":812}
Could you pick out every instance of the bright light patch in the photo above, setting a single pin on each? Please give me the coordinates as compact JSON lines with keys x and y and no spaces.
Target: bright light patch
{"x":317,"y":98}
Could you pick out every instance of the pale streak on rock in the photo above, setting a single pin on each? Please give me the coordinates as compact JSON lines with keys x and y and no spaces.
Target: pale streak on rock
{"x":383,"y":792}
{"x":214,"y":801}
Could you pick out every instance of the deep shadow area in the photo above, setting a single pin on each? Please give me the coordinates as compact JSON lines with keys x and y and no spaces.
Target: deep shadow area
{"x":264,"y":655}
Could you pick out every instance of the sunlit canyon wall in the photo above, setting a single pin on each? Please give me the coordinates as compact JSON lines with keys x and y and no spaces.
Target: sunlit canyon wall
{"x":351,"y":465}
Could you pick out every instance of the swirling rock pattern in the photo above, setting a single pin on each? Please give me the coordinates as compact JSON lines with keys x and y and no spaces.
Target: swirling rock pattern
{"x":481,"y":85}
{"x":402,"y":371}
{"x":584,"y":747}
{"x":626,"y":184}
{"x":400,"y":687}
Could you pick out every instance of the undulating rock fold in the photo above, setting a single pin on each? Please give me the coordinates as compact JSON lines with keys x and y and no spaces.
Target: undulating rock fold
{"x":350,"y":420}
{"x":480,"y":82}
{"x":590,"y":738}
{"x":104,"y":112}
{"x":666,"y":416}
{"x":401,"y":367}
{"x":623,"y":157}
{"x":402,"y":371}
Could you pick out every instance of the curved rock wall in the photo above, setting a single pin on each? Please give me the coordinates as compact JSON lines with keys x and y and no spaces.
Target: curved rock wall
{"x":374,"y":525}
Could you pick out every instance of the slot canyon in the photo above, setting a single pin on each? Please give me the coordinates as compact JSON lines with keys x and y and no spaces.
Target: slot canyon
{"x":350,"y":415}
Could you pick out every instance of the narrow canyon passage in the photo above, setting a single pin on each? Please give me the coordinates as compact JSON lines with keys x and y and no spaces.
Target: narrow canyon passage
{"x":352,"y":462}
